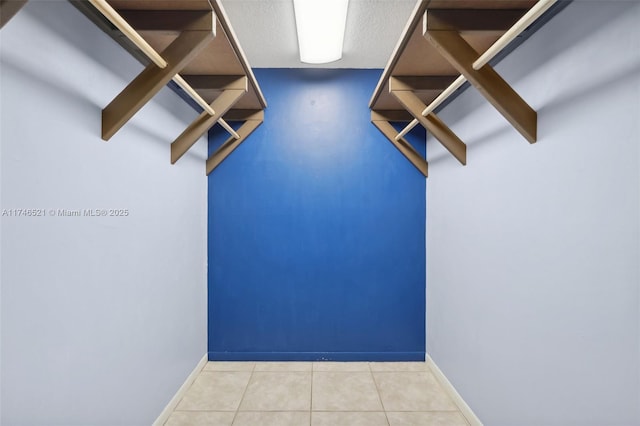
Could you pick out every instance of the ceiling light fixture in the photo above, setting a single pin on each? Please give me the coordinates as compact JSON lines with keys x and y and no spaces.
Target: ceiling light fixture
{"x":320,"y":25}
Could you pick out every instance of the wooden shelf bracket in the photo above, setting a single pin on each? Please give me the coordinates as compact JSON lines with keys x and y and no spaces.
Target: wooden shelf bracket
{"x":412,"y":103}
{"x":204,"y":122}
{"x":252,"y":120}
{"x":153,"y":78}
{"x":382,"y":123}
{"x":497,"y":91}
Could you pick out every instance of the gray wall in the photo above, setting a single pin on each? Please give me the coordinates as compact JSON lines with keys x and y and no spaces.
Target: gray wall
{"x":533,"y":250}
{"x":102,"y":317}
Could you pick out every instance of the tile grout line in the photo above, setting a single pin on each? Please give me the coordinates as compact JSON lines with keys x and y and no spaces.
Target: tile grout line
{"x":384,"y":410}
{"x":235,"y":415}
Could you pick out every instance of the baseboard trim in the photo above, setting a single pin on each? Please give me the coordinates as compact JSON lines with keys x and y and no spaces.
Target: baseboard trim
{"x":467,"y":412}
{"x":316,"y":356}
{"x":164,"y":416}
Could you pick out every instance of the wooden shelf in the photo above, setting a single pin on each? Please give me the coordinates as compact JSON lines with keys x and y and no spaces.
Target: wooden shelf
{"x":222,"y":57}
{"x":216,"y":69}
{"x":441,"y":43}
{"x":415,"y":56}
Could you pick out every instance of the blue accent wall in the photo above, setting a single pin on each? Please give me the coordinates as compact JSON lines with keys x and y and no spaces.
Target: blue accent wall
{"x":316,"y":230}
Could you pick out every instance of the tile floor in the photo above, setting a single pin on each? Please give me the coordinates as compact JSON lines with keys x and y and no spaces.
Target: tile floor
{"x":316,"y":394}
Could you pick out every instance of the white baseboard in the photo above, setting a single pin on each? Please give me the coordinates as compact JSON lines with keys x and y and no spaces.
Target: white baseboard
{"x":164,"y":416}
{"x":453,"y":393}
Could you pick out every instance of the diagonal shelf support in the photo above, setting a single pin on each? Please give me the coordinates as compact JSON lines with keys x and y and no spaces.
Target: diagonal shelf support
{"x":231,"y":144}
{"x":8,"y":9}
{"x":153,"y":78}
{"x":401,"y":144}
{"x":431,"y":122}
{"x":497,"y":91}
{"x":204,"y":122}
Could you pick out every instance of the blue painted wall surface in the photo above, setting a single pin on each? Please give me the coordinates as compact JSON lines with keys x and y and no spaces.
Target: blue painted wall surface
{"x":316,"y":230}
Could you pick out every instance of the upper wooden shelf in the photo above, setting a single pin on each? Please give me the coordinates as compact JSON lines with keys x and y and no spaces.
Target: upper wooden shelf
{"x":221,"y":57}
{"x":415,"y":56}
{"x":445,"y":44}
{"x":192,"y":43}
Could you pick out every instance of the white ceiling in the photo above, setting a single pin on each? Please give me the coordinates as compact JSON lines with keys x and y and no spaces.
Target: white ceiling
{"x":266,"y":30}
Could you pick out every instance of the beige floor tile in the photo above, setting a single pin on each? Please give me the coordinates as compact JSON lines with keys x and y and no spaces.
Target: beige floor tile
{"x":272,"y":418}
{"x":398,"y":366}
{"x":283,"y":366}
{"x":412,"y":391}
{"x":229,"y":366}
{"x":345,"y":391}
{"x":434,"y":418}
{"x":278,"y":391}
{"x":340,"y":366}
{"x":215,"y":391}
{"x":200,"y":418}
{"x":348,"y":418}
